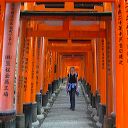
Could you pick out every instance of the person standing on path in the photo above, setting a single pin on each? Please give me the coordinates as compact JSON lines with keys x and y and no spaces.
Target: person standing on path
{"x":72,"y":86}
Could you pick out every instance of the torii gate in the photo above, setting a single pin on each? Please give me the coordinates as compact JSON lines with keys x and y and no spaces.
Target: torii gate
{"x":119,"y":20}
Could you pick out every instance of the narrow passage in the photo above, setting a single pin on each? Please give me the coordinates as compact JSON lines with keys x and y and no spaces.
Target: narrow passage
{"x":60,"y":115}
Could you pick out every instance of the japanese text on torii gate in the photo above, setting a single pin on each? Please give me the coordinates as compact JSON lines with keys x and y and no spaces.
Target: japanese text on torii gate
{"x":8,"y":57}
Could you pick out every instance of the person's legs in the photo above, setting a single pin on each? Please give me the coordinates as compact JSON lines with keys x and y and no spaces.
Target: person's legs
{"x":73,"y":99}
{"x":70,"y":93}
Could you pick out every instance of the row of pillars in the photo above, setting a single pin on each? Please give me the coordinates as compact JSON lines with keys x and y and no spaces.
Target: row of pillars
{"x":106,"y":69}
{"x":108,"y":75}
{"x":31,"y":66}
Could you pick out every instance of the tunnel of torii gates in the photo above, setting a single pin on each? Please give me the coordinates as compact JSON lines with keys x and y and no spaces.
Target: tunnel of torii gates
{"x":39,"y":44}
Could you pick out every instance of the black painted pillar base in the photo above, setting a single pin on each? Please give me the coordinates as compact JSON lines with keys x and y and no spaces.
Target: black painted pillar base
{"x":8,"y":119}
{"x":50,"y":90}
{"x":39,"y":103}
{"x":113,"y":116}
{"x":101,"y":112}
{"x":47,"y":93}
{"x":53,"y":86}
{"x":97,"y":99}
{"x":90,"y":97}
{"x":34,"y":112}
{"x":27,"y":109}
{"x":109,"y":122}
{"x":44,"y":99}
{"x":93,"y":103}
{"x":20,"y":121}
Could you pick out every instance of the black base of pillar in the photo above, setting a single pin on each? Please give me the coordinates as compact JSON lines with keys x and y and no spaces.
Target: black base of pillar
{"x":109,"y":122}
{"x":44,"y":99}
{"x":50,"y":90}
{"x":87,"y":88}
{"x":59,"y":81}
{"x":90,"y":97}
{"x":97,"y":99}
{"x":84,"y":85}
{"x":54,"y":85}
{"x":34,"y":112}
{"x":58,"y":84}
{"x":93,"y":103}
{"x":39,"y":103}
{"x":48,"y":94}
{"x":0,"y":124}
{"x":113,"y":116}
{"x":101,"y":112}
{"x":89,"y":92}
{"x":27,"y":109}
{"x":8,"y":119}
{"x":20,"y":121}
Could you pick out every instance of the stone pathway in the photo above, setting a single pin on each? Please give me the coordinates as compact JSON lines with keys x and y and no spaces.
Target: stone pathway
{"x":60,"y":115}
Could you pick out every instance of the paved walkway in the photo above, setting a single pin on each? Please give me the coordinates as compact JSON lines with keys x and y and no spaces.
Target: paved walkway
{"x":60,"y":116}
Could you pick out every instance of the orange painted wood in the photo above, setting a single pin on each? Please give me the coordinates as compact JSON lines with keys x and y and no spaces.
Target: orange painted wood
{"x":53,"y":64}
{"x":58,"y":66}
{"x":45,"y":66}
{"x":28,"y":65}
{"x":63,"y":18}
{"x":64,"y":34}
{"x":107,"y":7}
{"x":89,"y":28}
{"x":72,"y":49}
{"x":41,"y":63}
{"x":49,"y":57}
{"x":33,"y":71}
{"x":60,"y":1}
{"x":86,"y":68}
{"x":103,"y":72}
{"x":90,"y":70}
{"x":19,"y":78}
{"x":98,"y":63}
{"x":67,"y":26}
{"x":109,"y":76}
{"x":69,"y":62}
{"x":38,"y":66}
{"x":10,"y":38}
{"x":124,"y":15}
{"x":29,"y":6}
{"x":2,"y":17}
{"x":119,"y":67}
{"x":45,"y":27}
{"x":28,"y":69}
{"x":68,"y":6}
{"x":94,"y":75}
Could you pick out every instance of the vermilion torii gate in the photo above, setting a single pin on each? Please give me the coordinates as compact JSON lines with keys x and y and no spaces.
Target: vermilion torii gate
{"x":115,"y":71}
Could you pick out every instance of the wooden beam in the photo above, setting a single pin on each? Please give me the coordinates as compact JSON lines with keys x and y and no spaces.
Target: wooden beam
{"x":86,"y":34}
{"x":67,"y":26}
{"x":77,"y":49}
{"x":48,"y":17}
{"x":47,"y":34}
{"x":74,"y":53}
{"x":60,"y":0}
{"x":63,"y":34}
